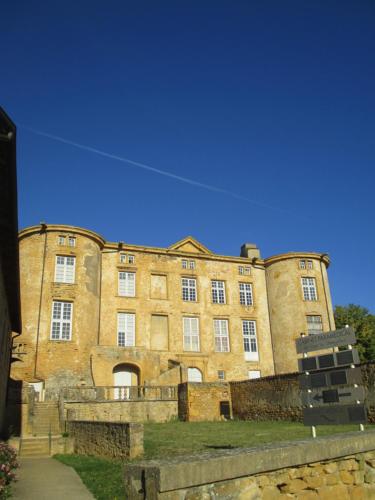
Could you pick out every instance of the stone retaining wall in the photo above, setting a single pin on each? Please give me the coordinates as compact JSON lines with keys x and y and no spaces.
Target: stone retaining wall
{"x":278,"y":397}
{"x":121,"y":411}
{"x":107,"y":439}
{"x":201,"y":401}
{"x":340,"y":466}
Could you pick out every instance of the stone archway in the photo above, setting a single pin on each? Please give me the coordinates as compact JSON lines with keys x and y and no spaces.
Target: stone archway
{"x":125,"y":376}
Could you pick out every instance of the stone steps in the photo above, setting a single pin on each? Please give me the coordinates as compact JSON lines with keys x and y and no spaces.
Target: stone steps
{"x":34,"y":447}
{"x":46,"y":419}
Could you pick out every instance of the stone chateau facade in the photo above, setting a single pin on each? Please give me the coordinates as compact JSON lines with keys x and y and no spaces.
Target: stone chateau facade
{"x":114,"y":314}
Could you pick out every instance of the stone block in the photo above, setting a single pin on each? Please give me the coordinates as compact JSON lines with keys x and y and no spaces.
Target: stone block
{"x":263,"y":480}
{"x":314,"y":482}
{"x":331,"y":479}
{"x":369,"y":474}
{"x":330,"y":468}
{"x":359,"y":476}
{"x":358,"y":493}
{"x":307,"y":495}
{"x":293,"y":486}
{"x":346,"y":477}
{"x":338,"y":491}
{"x":270,"y":493}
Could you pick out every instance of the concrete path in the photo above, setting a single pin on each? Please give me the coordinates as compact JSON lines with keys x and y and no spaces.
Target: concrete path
{"x":48,"y":479}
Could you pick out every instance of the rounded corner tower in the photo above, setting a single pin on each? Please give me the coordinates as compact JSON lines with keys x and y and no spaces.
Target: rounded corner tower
{"x":60,"y":269}
{"x":299,"y":302}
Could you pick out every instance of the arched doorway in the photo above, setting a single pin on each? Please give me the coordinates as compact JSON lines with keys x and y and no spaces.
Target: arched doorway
{"x":194,"y":375}
{"x":125,"y":376}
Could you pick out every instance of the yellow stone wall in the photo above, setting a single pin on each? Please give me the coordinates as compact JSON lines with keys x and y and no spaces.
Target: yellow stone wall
{"x":289,"y":310}
{"x":92,"y":353}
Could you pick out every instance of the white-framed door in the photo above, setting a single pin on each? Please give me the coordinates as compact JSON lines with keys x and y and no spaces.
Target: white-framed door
{"x":122,"y":378}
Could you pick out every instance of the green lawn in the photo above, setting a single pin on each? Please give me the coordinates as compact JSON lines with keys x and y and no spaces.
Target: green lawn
{"x":104,"y":477}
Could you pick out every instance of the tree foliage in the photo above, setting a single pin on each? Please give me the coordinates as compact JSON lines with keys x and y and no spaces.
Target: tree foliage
{"x":364,"y":326}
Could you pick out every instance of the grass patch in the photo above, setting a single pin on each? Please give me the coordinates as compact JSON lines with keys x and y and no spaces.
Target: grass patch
{"x":180,"y":438}
{"x":104,"y":477}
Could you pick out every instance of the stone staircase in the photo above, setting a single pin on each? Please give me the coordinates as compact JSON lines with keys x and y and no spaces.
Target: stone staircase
{"x":46,"y":419}
{"x":31,"y":447}
{"x":45,"y":429}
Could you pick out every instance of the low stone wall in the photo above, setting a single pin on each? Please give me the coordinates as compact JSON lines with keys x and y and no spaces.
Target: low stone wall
{"x":107,"y":439}
{"x":340,"y":466}
{"x":201,"y":401}
{"x":121,"y":411}
{"x":279,"y":397}
{"x":268,"y":398}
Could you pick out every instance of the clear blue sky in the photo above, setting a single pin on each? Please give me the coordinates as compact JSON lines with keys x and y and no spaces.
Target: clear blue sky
{"x":273,"y":101}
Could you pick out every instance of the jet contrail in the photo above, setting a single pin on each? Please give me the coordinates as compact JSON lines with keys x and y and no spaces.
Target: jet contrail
{"x":153,"y":169}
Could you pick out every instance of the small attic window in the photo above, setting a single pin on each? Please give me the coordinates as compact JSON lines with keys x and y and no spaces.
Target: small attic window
{"x":61,"y":240}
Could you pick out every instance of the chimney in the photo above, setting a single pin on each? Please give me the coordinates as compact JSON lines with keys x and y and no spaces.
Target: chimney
{"x":250,"y":250}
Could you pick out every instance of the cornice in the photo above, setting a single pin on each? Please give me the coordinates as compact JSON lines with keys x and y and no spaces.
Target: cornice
{"x":61,"y":228}
{"x":323,"y":257}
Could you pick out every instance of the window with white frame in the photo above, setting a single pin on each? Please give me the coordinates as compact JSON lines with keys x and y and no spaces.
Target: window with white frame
{"x":309,"y":264}
{"x":125,"y":329}
{"x":250,"y":344}
{"x":126,"y":284}
{"x":189,"y":289}
{"x":184,"y":264}
{"x":221,"y":335}
{"x":191,"y":334}
{"x":71,"y":241}
{"x":61,"y":240}
{"x":247,"y":270}
{"x":61,"y":324}
{"x":221,"y":374}
{"x":65,"y":269}
{"x":314,"y":324}
{"x":246,"y":294}
{"x":302,"y":264}
{"x":218,"y":292}
{"x":191,"y":264}
{"x":309,"y":289}
{"x":131,"y":259}
{"x":122,"y":258}
{"x":240,"y":270}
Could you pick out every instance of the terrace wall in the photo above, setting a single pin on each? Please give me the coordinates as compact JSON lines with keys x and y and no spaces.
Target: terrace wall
{"x":107,"y":439}
{"x":278,"y":397}
{"x":341,"y":466}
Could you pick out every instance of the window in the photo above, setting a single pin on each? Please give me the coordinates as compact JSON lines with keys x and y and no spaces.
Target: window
{"x":221,"y":335}
{"x":247,"y":271}
{"x":191,"y":334}
{"x":253,"y":374}
{"x":240,"y":270}
{"x":250,"y":345}
{"x":218,"y":292}
{"x":191,"y":264}
{"x":221,"y":374}
{"x":131,"y":259}
{"x":65,"y":269}
{"x":302,"y":264}
{"x":61,"y":240}
{"x":122,"y":258}
{"x":309,"y":264}
{"x":184,"y":264}
{"x":314,"y":324}
{"x":125,"y":329}
{"x":194,"y":375}
{"x":309,"y":289}
{"x":189,"y":289}
{"x":71,"y":241}
{"x":246,"y":294}
{"x":126,"y":284}
{"x":61,"y":325}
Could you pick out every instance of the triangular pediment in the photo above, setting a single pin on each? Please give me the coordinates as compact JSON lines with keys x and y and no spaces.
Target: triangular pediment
{"x":189,"y":245}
